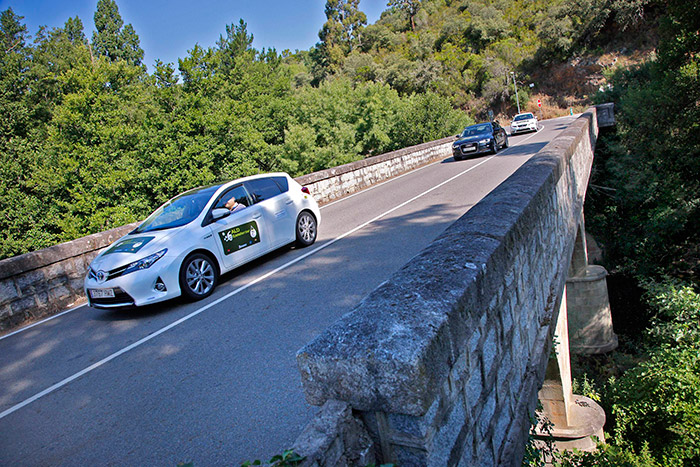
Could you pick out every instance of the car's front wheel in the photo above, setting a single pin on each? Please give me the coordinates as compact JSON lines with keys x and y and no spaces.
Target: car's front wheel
{"x":494,"y":146}
{"x":306,"y":229}
{"x":505,"y":142}
{"x":198,"y":276}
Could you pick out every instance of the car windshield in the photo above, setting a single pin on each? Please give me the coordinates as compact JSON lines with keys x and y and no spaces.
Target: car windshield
{"x":523,"y":117}
{"x":477,"y":129}
{"x":179,"y":211}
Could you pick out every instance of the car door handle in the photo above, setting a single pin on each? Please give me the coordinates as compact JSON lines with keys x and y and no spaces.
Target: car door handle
{"x":256,"y":216}
{"x":290,"y":201}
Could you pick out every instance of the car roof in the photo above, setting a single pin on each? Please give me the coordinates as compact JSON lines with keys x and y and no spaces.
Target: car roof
{"x":256,"y":176}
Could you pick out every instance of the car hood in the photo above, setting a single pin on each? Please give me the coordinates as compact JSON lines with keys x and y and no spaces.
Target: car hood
{"x":133,"y":247}
{"x":471,"y":139}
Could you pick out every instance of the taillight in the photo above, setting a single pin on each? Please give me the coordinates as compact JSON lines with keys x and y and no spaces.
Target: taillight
{"x":305,"y":190}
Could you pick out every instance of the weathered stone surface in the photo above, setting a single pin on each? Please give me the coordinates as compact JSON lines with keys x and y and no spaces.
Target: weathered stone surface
{"x":8,"y":291}
{"x":334,"y":437}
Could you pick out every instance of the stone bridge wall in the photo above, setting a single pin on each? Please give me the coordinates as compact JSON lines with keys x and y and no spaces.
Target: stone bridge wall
{"x":443,"y":362}
{"x":44,"y":282}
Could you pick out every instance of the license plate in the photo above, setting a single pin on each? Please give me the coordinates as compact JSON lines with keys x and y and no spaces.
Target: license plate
{"x":468,"y":148}
{"x":101,"y":293}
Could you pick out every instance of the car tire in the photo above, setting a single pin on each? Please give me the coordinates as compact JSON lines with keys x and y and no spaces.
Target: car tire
{"x":458,"y":158}
{"x":494,"y":147}
{"x":198,"y":276}
{"x":306,"y":229}
{"x":505,"y":142}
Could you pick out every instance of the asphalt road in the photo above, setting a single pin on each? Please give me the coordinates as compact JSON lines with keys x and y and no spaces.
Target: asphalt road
{"x":215,"y":382}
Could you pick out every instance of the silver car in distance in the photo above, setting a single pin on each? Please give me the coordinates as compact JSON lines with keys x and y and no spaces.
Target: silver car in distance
{"x":184,"y":246}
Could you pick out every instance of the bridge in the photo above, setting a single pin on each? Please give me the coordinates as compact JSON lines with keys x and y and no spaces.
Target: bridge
{"x":436,"y":378}
{"x":443,"y":364}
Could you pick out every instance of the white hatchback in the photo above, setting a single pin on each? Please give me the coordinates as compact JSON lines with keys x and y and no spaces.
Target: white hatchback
{"x":523,"y":122}
{"x":187,"y":243}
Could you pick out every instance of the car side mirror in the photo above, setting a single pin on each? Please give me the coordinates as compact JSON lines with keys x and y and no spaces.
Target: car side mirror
{"x":219,"y":213}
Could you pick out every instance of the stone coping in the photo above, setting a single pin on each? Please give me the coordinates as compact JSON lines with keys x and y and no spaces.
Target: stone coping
{"x":378,"y":159}
{"x":54,"y":254}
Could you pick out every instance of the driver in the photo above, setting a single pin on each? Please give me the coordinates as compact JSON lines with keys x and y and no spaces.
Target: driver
{"x":233,"y":206}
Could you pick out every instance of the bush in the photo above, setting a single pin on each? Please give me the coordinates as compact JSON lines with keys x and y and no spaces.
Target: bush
{"x":656,"y":406}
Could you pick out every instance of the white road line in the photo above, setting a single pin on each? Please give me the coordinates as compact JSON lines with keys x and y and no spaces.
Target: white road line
{"x":136,"y":344}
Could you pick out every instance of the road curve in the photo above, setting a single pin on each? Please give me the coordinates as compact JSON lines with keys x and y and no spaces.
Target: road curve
{"x":215,"y":382}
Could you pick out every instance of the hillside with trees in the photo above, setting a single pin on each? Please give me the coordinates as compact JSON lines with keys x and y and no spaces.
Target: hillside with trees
{"x":90,"y":140}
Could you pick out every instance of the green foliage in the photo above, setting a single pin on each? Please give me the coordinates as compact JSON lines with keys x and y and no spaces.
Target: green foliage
{"x":678,"y":313}
{"x":110,"y":39}
{"x":287,"y":459}
{"x":606,"y":455}
{"x":654,"y":407}
{"x":659,"y":403}
{"x":649,"y":210}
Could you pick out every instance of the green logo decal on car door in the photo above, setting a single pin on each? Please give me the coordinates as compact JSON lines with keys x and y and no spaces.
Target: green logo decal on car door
{"x":239,"y":237}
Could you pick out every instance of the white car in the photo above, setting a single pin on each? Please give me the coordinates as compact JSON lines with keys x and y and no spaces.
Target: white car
{"x":184,"y":246}
{"x":523,"y":122}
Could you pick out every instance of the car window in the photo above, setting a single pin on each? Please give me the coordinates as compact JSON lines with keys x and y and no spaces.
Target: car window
{"x":477,"y":129}
{"x":523,"y":117}
{"x":179,"y":211}
{"x":239,"y":192}
{"x":282,"y":182}
{"x":262,"y":189}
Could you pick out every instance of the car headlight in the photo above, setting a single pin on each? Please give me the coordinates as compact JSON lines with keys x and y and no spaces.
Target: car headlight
{"x":485,"y":141}
{"x":145,"y":263}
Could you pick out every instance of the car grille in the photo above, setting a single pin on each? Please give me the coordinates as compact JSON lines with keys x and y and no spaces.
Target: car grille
{"x":468,"y":148}
{"x":120,"y":298}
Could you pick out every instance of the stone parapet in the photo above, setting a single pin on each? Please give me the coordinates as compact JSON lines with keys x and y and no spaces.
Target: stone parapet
{"x":337,"y":182}
{"x":444,"y":360}
{"x":44,"y":282}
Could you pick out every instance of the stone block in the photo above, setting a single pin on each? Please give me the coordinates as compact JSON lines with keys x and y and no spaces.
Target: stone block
{"x":28,"y":280}
{"x":8,"y":291}
{"x":450,"y":436}
{"x":485,"y":417}
{"x":59,"y":293}
{"x":489,"y":350}
{"x":473,"y":389}
{"x":334,"y":437}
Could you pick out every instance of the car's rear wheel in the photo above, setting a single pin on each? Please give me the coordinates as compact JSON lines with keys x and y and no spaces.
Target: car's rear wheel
{"x":306,"y":229}
{"x":198,"y":276}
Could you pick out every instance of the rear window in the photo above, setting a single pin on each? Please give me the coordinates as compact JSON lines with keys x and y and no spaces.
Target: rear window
{"x":282,"y":182}
{"x":263,"y":188}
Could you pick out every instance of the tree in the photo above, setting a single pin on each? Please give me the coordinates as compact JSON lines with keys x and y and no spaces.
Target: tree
{"x":110,"y":39}
{"x":410,"y":7}
{"x":236,"y":43}
{"x":74,"y":31}
{"x":339,"y":34}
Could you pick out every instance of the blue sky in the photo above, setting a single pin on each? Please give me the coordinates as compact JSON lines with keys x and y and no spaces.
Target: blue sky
{"x":169,"y":28}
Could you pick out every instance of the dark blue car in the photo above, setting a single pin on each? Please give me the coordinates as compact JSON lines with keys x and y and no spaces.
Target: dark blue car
{"x":486,"y":137}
